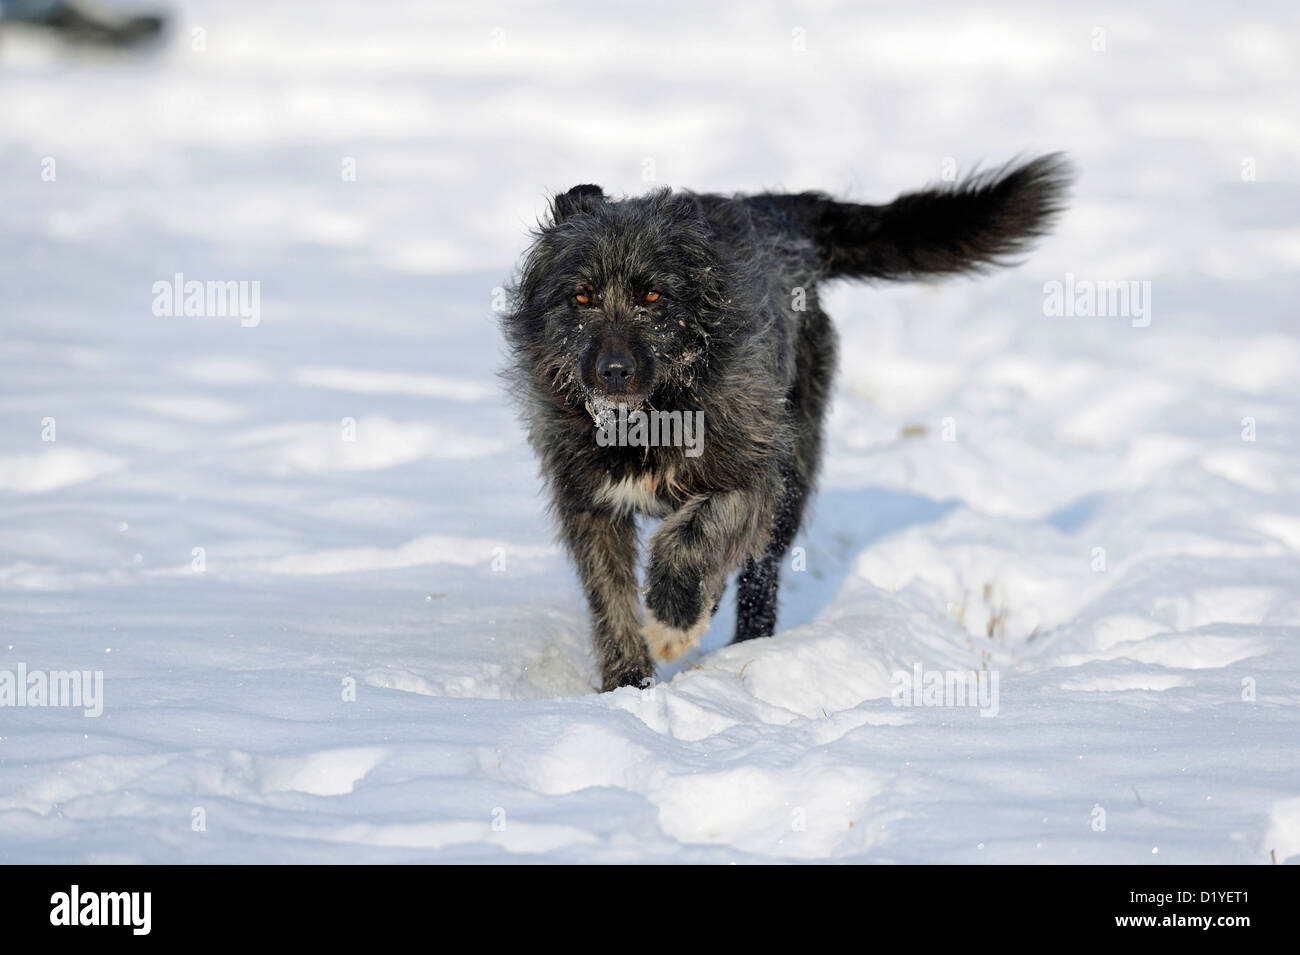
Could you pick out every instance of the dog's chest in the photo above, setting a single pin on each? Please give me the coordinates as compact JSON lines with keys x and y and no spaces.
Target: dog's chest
{"x":637,"y":494}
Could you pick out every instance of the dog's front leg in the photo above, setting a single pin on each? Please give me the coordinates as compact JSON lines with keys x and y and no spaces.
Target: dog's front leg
{"x":604,"y":546}
{"x":690,"y":556}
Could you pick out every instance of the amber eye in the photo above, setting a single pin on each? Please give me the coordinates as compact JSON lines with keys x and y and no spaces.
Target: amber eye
{"x":583,"y":298}
{"x":652,"y":296}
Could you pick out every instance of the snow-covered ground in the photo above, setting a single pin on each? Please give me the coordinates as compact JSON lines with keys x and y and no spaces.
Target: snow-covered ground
{"x":1103,"y":513}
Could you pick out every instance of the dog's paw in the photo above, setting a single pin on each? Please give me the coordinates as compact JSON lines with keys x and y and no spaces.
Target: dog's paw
{"x":624,"y":661}
{"x":642,"y":677}
{"x":668,"y":642}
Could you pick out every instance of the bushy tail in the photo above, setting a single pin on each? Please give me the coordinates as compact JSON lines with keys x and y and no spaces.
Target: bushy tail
{"x":980,"y":222}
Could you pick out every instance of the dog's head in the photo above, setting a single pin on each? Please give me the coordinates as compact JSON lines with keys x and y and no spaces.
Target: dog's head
{"x":616,"y":298}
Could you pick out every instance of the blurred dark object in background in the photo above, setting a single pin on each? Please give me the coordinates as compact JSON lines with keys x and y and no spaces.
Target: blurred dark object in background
{"x":79,"y":22}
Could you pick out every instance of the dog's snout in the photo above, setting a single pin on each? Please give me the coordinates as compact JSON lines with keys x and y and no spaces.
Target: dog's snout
{"x":615,"y":367}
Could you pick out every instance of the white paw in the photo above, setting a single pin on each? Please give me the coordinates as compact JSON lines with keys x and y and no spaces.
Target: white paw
{"x":669,"y":643}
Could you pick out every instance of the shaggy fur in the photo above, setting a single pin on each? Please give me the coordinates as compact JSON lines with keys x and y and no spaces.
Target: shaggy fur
{"x":686,"y":302}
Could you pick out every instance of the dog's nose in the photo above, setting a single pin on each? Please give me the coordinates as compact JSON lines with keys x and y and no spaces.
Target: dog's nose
{"x":615,"y":369}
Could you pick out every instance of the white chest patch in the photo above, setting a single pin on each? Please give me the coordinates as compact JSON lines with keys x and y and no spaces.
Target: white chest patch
{"x":633,"y":495}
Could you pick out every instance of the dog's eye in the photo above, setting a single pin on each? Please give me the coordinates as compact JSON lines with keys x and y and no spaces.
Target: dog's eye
{"x":582,"y":298}
{"x":652,"y":296}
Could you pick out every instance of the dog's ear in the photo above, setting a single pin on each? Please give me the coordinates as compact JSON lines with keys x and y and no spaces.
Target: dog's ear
{"x":582,"y":198}
{"x":683,"y":207}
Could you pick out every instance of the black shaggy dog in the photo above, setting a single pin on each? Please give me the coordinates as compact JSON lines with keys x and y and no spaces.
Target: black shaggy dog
{"x":708,"y":304}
